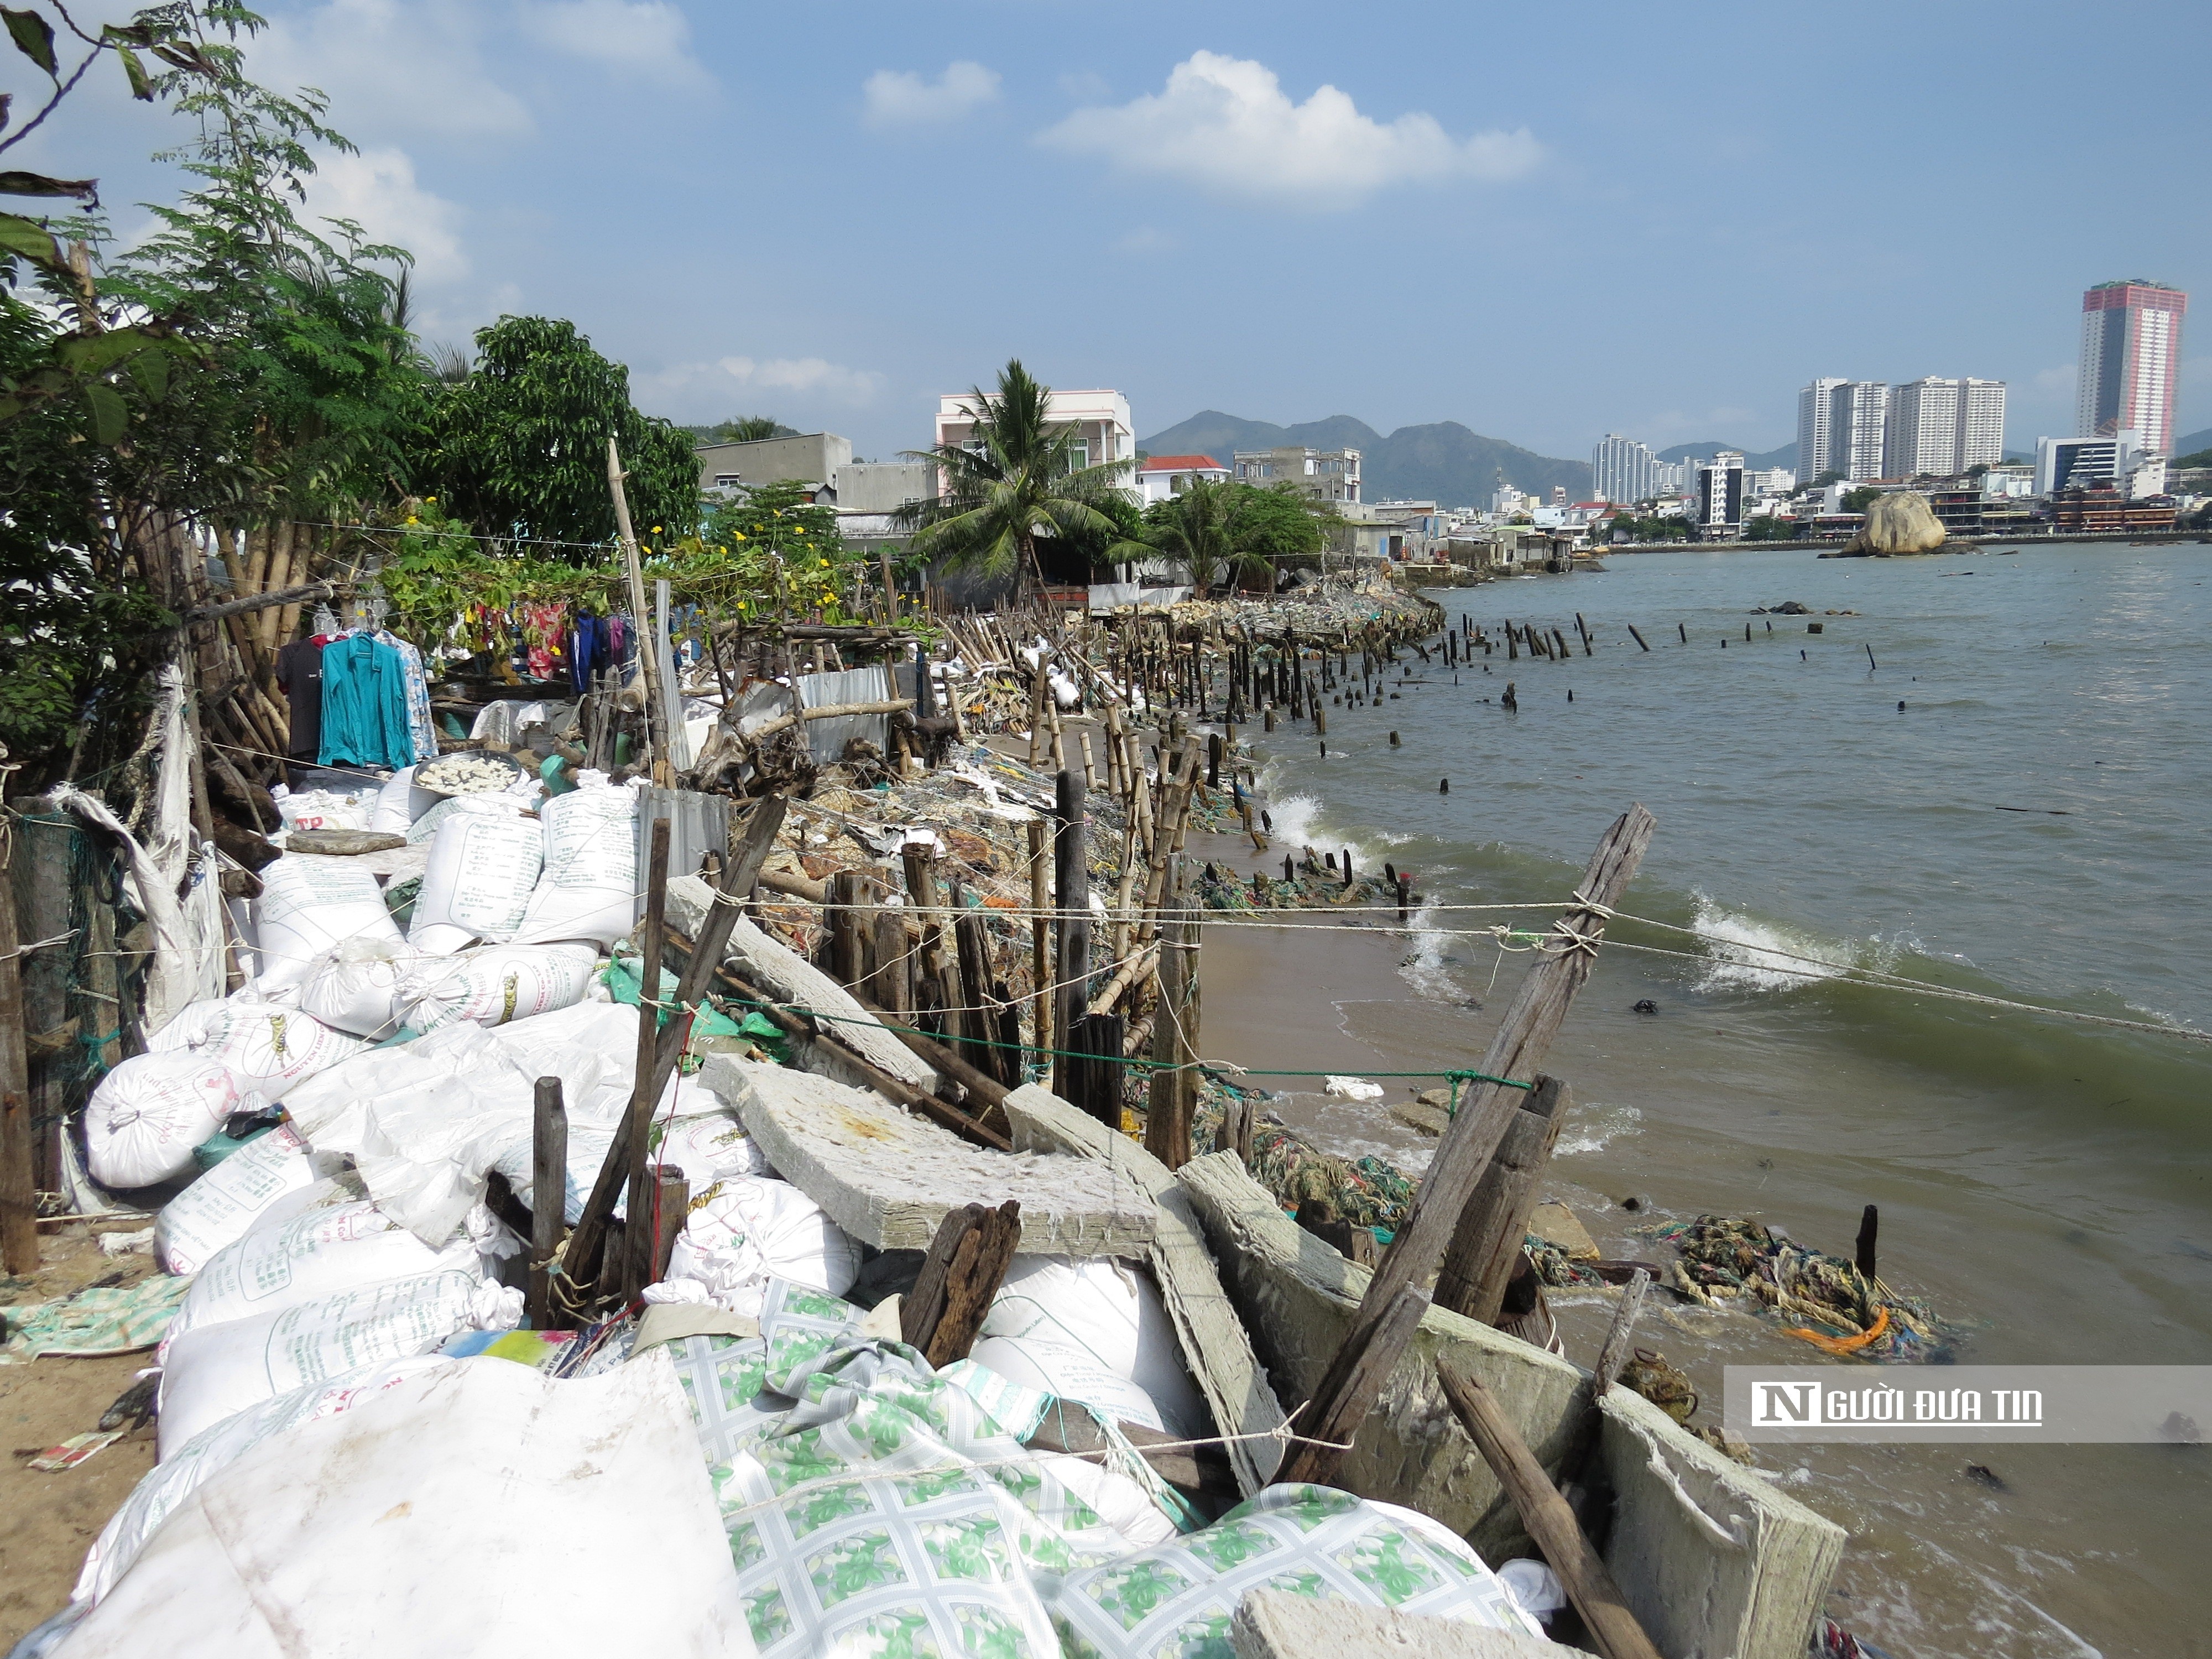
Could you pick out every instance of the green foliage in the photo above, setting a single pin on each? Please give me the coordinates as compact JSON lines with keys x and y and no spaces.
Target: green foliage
{"x":1652,"y":529}
{"x":2202,"y":458}
{"x":1017,"y":476}
{"x":519,"y":448}
{"x":743,"y":429}
{"x":772,"y":550}
{"x":1768,"y":528}
{"x":1214,"y":532}
{"x":1857,"y":501}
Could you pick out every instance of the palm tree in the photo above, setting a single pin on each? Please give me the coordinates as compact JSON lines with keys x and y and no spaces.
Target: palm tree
{"x":1016,"y":474}
{"x":1207,"y":531}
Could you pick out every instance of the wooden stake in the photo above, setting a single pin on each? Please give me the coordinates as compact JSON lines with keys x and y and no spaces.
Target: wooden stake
{"x":1550,"y":1522}
{"x":1071,"y":898}
{"x":648,"y":667}
{"x":961,"y":1272}
{"x":1040,"y":936}
{"x":1488,"y":1241}
{"x":548,"y":1198}
{"x":1539,"y":1009}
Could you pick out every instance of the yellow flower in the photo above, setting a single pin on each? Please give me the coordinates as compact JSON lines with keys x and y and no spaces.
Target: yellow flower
{"x":825,"y":564}
{"x":656,"y":530}
{"x":411,"y":519}
{"x":739,"y":534}
{"x":828,"y":599}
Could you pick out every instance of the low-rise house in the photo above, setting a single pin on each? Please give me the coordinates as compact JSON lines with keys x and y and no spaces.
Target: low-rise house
{"x":1161,"y":476}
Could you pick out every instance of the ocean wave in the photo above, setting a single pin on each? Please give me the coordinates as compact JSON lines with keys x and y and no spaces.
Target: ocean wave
{"x":1743,"y":954}
{"x":1597,"y":1126}
{"x":1424,"y":966}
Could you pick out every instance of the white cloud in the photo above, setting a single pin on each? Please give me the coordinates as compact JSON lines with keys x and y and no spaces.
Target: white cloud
{"x":391,"y":68}
{"x":702,"y":387}
{"x":900,"y":97}
{"x":648,"y":39}
{"x":376,"y":190}
{"x":1226,"y":123}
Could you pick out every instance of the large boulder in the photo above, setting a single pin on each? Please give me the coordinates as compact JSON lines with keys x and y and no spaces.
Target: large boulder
{"x":1897,"y":523}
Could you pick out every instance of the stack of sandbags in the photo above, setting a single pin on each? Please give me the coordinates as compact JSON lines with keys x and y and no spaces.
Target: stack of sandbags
{"x":1093,"y":1331}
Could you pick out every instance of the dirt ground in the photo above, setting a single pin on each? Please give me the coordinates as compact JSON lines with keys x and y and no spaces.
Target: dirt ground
{"x":48,"y":1520}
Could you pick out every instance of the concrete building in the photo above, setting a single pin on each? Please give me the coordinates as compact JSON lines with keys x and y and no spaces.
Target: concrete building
{"x":1858,"y":419}
{"x":1100,"y":420}
{"x":1623,"y":469}
{"x":2085,"y":463}
{"x":1769,"y":481}
{"x":1715,"y":511}
{"x":871,"y":487}
{"x":1324,"y":475}
{"x":2131,"y":358}
{"x":1938,"y":428}
{"x":1814,"y":451}
{"x":812,"y":459}
{"x":1395,"y":530}
{"x":1160,"y":477}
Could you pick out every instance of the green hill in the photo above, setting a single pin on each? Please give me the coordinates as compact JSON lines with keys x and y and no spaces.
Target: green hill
{"x":1444,"y":461}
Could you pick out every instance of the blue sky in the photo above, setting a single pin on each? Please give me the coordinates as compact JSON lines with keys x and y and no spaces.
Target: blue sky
{"x":1546,"y":222}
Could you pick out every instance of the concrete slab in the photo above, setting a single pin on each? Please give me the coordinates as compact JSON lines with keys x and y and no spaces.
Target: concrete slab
{"x":889,"y":1178}
{"x":1713,"y":1557}
{"x":1297,"y":1297}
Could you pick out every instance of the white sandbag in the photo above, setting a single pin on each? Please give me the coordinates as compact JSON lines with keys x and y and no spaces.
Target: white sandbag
{"x":221,"y":1369}
{"x":1069,"y":1374}
{"x":473,"y":1507}
{"x":216,"y":1210}
{"x":148,"y":1114}
{"x":215,"y":1448}
{"x":314,"y":1255}
{"x":747,"y":1232}
{"x":1120,"y":1501}
{"x":267,"y":1046}
{"x":307,"y":905}
{"x":499,"y":805}
{"x":399,"y":803}
{"x":478,"y":884}
{"x":590,"y":887}
{"x":710,"y":1147}
{"x":1107,"y":1309}
{"x":326,"y":809}
{"x":496,"y":983}
{"x":354,"y":986}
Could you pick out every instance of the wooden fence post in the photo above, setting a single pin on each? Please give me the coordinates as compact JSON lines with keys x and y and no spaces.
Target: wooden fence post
{"x":548,"y":1198}
{"x":1488,"y":1241}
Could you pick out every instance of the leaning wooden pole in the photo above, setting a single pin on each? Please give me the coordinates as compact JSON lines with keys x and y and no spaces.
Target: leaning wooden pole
{"x":648,"y":665}
{"x":1567,"y":953}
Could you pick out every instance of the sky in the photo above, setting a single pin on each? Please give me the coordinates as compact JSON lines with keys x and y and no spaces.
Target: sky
{"x":1545,"y":222}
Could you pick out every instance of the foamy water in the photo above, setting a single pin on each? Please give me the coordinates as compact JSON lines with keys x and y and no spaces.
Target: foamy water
{"x":1746,"y":955}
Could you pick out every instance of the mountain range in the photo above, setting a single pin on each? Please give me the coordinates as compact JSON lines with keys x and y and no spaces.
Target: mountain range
{"x":1443,"y":461}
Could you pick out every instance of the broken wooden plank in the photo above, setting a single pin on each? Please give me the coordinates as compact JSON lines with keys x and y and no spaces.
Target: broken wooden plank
{"x":1217,"y":1350}
{"x":962,"y":1271}
{"x":890,"y":1178}
{"x":1277,"y":1625}
{"x":1197,"y":1472}
{"x":1583,"y":1573}
{"x":1489,"y":1239}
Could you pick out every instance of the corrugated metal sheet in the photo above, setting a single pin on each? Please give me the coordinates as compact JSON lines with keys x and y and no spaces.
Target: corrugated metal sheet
{"x":826,"y":739}
{"x":696,"y":825}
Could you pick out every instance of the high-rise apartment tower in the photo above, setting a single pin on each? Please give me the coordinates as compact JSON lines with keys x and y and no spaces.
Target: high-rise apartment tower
{"x":1813,"y":446}
{"x":2130,"y":356}
{"x":1623,"y":469}
{"x":1940,"y":427}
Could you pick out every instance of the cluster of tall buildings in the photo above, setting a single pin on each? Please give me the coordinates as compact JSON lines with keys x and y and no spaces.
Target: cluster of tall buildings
{"x":1859,"y":430}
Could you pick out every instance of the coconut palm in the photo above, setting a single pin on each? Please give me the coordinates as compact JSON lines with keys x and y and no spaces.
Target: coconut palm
{"x":1208,"y":531}
{"x":1015,"y":476}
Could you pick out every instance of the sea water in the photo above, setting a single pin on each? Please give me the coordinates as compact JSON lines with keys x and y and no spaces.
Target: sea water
{"x":1987,"y":772}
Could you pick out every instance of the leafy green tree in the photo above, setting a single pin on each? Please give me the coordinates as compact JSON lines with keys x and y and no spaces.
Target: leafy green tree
{"x":1857,"y":501}
{"x":1212,"y":531}
{"x":749,"y":429}
{"x":1768,"y":528}
{"x":1016,"y":476}
{"x":519,"y":448}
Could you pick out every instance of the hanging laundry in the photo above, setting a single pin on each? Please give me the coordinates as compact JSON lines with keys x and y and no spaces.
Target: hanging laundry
{"x":365,"y":720}
{"x":299,"y":676}
{"x":421,"y":726}
{"x":543,"y":625}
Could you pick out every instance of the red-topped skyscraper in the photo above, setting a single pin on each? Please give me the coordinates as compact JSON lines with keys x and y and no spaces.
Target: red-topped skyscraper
{"x":2130,"y":357}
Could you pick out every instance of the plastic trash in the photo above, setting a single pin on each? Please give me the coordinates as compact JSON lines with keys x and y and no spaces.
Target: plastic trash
{"x":148,"y":1114}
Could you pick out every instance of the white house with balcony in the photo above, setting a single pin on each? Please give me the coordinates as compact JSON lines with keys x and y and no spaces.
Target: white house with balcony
{"x":1100,"y":420}
{"x":1160,"y":477}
